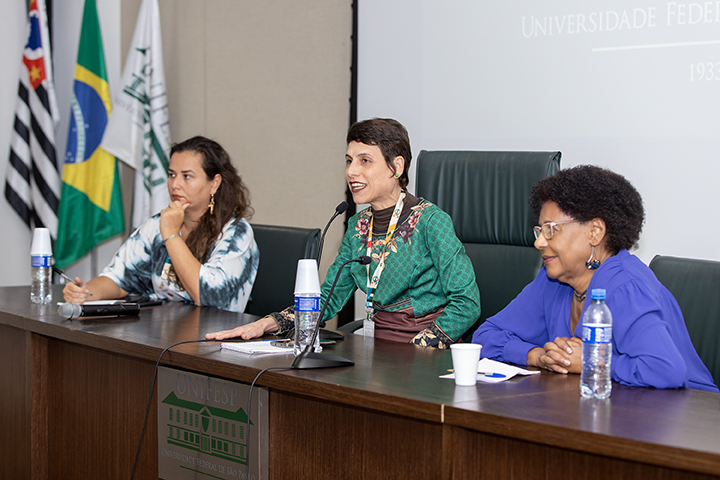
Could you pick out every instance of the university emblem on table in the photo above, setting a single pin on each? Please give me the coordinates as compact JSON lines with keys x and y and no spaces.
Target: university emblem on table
{"x":210,"y":430}
{"x":203,"y":429}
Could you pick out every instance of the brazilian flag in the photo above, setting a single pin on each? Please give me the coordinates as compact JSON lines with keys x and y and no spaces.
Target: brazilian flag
{"x":90,"y":210}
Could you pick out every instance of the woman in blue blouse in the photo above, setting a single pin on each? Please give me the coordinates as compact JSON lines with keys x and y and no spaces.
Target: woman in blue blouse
{"x":589,"y":218}
{"x":200,"y":249}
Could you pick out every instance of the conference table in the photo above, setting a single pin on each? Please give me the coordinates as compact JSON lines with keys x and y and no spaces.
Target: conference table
{"x":75,"y":393}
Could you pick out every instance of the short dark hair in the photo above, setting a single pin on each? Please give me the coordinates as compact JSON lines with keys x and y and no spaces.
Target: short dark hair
{"x":585,"y":192}
{"x":390,"y":136}
{"x":232,"y":198}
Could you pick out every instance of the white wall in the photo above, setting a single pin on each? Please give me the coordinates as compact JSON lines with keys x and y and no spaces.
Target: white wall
{"x":627,"y":95}
{"x":15,"y":242}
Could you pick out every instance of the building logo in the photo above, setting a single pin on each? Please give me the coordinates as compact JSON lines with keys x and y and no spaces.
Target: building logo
{"x":213,"y":431}
{"x":203,"y":430}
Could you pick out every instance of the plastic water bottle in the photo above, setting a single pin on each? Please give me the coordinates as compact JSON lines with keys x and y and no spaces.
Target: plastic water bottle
{"x":307,"y":314}
{"x":307,"y":304}
{"x":41,"y":267}
{"x":596,"y":348}
{"x":41,"y":290}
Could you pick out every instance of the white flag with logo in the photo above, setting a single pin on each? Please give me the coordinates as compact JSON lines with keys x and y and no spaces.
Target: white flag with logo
{"x":138,"y":132}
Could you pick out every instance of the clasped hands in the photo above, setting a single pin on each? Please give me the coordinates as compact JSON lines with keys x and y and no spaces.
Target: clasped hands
{"x":563,"y":355}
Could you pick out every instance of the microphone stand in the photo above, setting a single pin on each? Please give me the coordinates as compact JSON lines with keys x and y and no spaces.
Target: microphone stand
{"x":309,"y":358}
{"x":338,"y":210}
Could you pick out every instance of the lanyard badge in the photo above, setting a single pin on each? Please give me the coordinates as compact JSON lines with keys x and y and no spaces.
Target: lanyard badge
{"x":372,"y":282}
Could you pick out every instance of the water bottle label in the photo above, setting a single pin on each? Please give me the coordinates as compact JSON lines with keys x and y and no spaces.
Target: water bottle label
{"x":307,"y":304}
{"x":41,"y":261}
{"x":597,"y":333}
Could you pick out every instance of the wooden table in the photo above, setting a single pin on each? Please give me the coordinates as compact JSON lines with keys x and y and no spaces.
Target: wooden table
{"x":74,"y":397}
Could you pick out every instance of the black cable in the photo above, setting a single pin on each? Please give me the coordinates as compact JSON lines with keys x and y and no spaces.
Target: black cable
{"x":247,"y":429}
{"x":152,"y":388}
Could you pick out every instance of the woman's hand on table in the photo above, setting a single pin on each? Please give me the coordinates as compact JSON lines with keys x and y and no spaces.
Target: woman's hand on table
{"x":246,"y":332}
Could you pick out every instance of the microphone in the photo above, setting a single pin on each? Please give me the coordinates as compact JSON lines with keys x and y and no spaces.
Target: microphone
{"x":73,"y":310}
{"x":338,"y":210}
{"x":308,"y":358}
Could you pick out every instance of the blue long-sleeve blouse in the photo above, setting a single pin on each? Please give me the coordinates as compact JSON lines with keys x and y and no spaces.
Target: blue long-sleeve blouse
{"x":651,"y":345}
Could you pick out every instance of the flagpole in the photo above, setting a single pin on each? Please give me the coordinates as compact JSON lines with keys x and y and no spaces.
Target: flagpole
{"x":93,"y":263}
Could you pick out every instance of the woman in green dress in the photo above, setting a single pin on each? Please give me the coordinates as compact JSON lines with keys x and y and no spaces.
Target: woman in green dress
{"x":420,"y":287}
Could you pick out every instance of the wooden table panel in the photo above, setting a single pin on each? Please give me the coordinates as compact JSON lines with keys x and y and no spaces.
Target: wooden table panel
{"x":312,"y":439}
{"x":488,"y":457}
{"x":668,"y":428}
{"x":14,"y":404}
{"x":97,"y":403}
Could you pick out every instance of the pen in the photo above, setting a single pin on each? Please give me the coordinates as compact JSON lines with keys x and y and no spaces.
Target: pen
{"x":149,"y":303}
{"x":487,"y":374}
{"x":62,"y":274}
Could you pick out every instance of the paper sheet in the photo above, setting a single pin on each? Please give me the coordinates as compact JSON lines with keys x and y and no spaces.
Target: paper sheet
{"x":488,"y":366}
{"x":255,"y":348}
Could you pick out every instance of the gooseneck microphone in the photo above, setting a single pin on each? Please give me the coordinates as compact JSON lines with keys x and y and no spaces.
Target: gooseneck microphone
{"x":308,"y":358}
{"x":338,"y":210}
{"x":74,"y":310}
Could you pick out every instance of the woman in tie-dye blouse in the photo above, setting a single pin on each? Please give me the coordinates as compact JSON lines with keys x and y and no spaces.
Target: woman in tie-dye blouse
{"x":200,"y":249}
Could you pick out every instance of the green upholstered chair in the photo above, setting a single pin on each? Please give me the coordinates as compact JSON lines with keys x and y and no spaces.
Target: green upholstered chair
{"x":486,"y":194}
{"x":280,"y":249}
{"x":695,"y":284}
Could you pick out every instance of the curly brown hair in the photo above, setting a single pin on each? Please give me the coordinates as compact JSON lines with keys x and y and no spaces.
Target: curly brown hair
{"x":232,"y":198}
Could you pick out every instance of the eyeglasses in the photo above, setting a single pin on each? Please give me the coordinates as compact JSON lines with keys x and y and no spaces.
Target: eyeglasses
{"x":548,"y":228}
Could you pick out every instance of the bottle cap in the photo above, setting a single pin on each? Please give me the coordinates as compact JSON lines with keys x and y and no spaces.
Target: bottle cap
{"x":41,"y":245}
{"x":306,"y":279}
{"x":598,"y":294}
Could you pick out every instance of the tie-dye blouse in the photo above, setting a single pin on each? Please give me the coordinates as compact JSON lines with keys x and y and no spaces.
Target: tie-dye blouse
{"x":226,"y":278}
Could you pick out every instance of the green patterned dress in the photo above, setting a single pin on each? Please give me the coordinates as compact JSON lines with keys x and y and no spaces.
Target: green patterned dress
{"x":427,"y":274}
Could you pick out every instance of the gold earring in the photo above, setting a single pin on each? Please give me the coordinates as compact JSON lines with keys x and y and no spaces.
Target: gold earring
{"x":212,"y":203}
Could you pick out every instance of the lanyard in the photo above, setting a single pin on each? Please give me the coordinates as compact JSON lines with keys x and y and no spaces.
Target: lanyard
{"x":372,"y":283}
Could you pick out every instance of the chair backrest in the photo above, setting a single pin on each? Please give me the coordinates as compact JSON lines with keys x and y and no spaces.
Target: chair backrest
{"x":695,"y":284}
{"x":280,"y":249}
{"x":486,"y":194}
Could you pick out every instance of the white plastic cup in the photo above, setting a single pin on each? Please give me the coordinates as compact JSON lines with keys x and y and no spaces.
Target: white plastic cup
{"x":306,"y":279}
{"x":465,"y":358}
{"x":41,"y":246}
{"x":307,"y":305}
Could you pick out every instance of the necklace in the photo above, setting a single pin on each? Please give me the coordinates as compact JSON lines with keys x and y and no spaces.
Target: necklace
{"x":580,"y":296}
